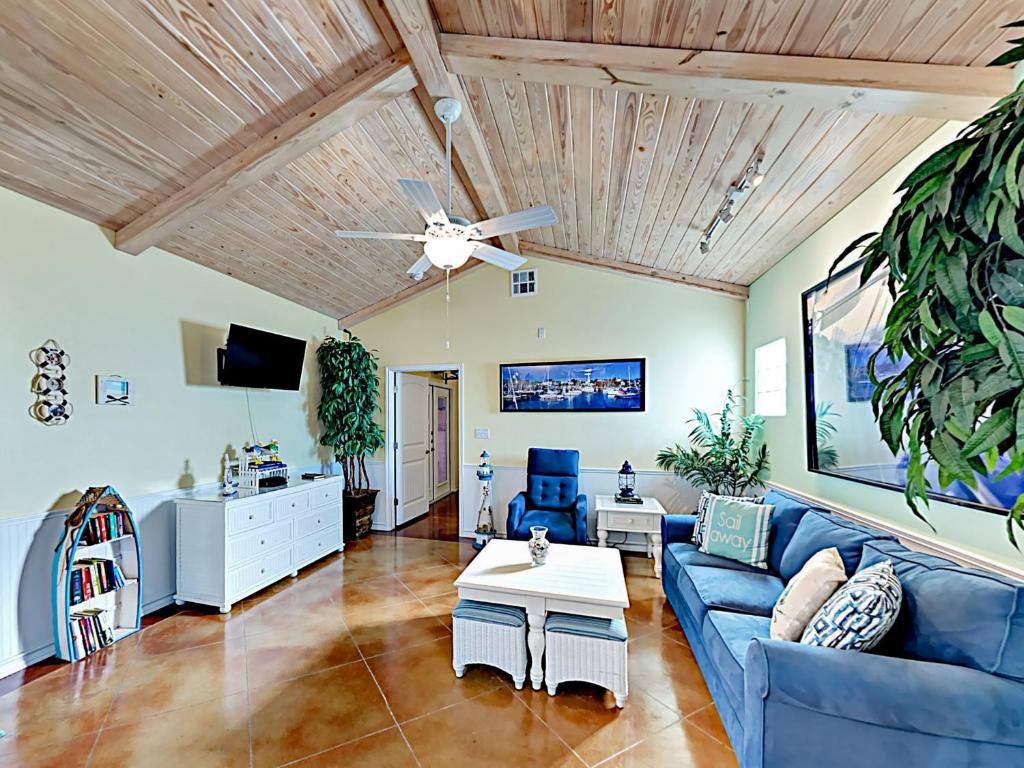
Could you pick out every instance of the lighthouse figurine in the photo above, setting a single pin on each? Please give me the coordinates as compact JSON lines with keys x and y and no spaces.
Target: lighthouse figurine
{"x":485,"y":518}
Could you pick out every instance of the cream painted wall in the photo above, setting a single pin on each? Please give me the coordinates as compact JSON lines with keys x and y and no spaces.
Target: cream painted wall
{"x":154,"y":318}
{"x":692,"y":339}
{"x":774,"y":311}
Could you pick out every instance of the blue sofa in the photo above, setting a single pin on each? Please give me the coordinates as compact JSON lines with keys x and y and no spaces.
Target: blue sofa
{"x":551,"y":498}
{"x":945,"y":688}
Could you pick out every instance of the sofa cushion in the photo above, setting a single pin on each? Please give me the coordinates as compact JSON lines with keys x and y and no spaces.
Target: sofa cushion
{"x":726,"y":637}
{"x":806,"y":592}
{"x":560,"y":524}
{"x":820,"y":530}
{"x":953,"y":614}
{"x":552,"y":478}
{"x":788,"y":512}
{"x":738,"y":591}
{"x":704,"y":509}
{"x":681,"y":553}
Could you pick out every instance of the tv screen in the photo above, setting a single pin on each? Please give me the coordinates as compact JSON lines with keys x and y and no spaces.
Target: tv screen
{"x":260,"y":359}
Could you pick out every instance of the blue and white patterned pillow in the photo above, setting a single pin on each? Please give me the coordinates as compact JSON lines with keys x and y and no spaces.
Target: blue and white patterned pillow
{"x":704,"y":506}
{"x":861,"y":611}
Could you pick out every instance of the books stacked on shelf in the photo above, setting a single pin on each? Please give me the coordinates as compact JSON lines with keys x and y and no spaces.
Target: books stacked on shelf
{"x":94,"y":576}
{"x":91,"y":630}
{"x":105,"y":526}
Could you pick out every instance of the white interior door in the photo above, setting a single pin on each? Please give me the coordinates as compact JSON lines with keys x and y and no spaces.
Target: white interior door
{"x":440,"y":440}
{"x":412,"y":463}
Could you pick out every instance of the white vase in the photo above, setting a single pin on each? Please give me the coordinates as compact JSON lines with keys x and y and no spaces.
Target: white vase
{"x":538,"y":544}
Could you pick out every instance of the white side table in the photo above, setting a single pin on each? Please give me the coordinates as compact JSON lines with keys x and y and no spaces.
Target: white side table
{"x":632,"y":518}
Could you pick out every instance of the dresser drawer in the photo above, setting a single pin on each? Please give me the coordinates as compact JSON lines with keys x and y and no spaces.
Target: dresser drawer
{"x":327,"y":493}
{"x":633,"y":521}
{"x":248,"y":517}
{"x":316,"y":520}
{"x":291,"y":505}
{"x":317,"y":545}
{"x":249,"y":545}
{"x":244,"y":579}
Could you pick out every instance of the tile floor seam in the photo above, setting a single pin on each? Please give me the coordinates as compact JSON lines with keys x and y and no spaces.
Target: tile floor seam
{"x":604,"y":760}
{"x":501,"y":684}
{"x":391,"y":712}
{"x":702,"y":729}
{"x":336,"y":746}
{"x":248,"y":696}
{"x":110,"y":707}
{"x":548,"y":725}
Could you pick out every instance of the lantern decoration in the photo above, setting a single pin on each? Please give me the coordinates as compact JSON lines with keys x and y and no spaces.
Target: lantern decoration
{"x":627,"y":485}
{"x":485,"y":517}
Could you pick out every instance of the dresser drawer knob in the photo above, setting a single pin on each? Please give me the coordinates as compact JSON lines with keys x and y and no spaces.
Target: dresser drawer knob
{"x":318,"y":521}
{"x":262,"y":570}
{"x":262,"y":542}
{"x":250,"y":517}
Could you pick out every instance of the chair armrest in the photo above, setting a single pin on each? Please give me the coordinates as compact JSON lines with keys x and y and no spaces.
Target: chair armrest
{"x":941,"y":700}
{"x":516,"y":510}
{"x":677,"y":528}
{"x":580,"y":520}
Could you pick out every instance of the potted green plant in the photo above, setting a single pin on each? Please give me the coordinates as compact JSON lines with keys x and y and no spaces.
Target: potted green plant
{"x":349,"y":403}
{"x":954,"y":257}
{"x":731,"y":460}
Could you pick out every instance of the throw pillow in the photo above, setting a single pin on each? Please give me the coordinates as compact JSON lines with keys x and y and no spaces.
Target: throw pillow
{"x":738,"y":530}
{"x":806,"y":592}
{"x":859,"y":614}
{"x":705,"y":504}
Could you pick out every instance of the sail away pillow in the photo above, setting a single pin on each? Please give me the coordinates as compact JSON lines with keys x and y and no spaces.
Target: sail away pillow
{"x":704,"y":506}
{"x":738,"y":530}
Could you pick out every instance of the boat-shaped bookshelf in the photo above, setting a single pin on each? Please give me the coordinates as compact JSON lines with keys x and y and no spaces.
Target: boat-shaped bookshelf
{"x":97,"y":576}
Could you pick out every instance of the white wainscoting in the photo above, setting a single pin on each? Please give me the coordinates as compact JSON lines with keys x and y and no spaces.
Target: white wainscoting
{"x":675,"y":495}
{"x":27,"y":546}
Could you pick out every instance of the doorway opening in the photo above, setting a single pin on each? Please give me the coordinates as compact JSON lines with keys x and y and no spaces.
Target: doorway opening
{"x":424,"y":439}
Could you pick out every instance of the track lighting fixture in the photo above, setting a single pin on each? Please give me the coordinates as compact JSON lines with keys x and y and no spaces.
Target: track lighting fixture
{"x":751,"y":177}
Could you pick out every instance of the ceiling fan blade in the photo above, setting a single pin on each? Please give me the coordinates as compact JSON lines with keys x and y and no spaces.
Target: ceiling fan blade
{"x":380,"y":235}
{"x":538,"y":216}
{"x":498,"y":257}
{"x":425,"y":200}
{"x":422,"y":265}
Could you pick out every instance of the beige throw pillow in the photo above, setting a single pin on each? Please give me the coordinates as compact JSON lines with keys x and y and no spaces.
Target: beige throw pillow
{"x":806,"y":592}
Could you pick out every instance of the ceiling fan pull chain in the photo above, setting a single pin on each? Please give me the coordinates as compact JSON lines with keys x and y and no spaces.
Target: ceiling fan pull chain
{"x":447,"y":302}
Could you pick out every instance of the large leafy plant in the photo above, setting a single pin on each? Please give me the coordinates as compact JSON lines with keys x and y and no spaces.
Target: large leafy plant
{"x":730,"y":460}
{"x":954,"y":256}
{"x":350,"y":388}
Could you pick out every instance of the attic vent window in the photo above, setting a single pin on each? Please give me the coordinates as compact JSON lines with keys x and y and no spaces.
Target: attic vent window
{"x":524,"y":282}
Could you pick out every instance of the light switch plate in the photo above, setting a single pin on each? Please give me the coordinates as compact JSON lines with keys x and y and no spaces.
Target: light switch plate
{"x":482,"y":433}
{"x":541,"y":333}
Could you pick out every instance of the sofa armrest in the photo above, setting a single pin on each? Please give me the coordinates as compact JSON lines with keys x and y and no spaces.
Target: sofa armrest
{"x":580,"y":522}
{"x":677,"y":528}
{"x":906,"y":695}
{"x":516,"y":510}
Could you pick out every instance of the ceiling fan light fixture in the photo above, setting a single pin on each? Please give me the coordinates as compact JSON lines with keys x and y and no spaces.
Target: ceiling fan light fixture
{"x":448,"y":253}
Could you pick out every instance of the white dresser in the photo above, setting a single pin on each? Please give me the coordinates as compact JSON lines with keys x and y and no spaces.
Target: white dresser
{"x":231,"y":547}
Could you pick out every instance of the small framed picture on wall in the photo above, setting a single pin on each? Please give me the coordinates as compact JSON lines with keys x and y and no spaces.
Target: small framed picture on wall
{"x":114,"y":390}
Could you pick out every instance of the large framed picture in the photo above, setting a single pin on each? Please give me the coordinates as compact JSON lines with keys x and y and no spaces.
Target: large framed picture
{"x":579,"y":385}
{"x":844,"y":323}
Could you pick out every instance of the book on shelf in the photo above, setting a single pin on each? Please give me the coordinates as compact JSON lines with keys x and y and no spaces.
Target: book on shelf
{"x":104,"y":526}
{"x":91,"y":630}
{"x":94,"y":576}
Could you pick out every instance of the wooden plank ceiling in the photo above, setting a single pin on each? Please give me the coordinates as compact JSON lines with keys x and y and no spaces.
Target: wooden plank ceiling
{"x":110,"y":107}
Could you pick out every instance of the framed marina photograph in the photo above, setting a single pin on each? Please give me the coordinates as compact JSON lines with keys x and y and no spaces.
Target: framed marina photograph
{"x":580,"y":386}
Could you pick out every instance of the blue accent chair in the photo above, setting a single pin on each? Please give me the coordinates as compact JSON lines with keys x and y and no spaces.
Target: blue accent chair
{"x":551,"y":498}
{"x":944,"y":688}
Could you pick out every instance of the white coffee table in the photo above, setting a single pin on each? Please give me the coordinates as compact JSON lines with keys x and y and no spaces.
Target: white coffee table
{"x":581,"y":580}
{"x":631,"y":518}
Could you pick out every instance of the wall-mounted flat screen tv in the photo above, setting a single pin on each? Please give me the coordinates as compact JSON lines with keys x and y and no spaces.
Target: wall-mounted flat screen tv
{"x":260,"y":359}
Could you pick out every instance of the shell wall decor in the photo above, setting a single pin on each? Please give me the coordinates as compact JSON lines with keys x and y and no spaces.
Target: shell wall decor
{"x":49,"y":384}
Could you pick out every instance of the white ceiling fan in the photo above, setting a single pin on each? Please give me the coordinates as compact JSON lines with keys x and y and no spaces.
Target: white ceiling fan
{"x":448,"y":240}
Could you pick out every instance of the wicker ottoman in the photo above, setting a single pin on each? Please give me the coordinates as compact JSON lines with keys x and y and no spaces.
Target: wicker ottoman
{"x":588,"y":649}
{"x":491,"y":634}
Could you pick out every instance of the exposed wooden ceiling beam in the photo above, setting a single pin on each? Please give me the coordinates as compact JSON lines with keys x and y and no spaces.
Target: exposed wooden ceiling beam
{"x":888,"y":87}
{"x":637,"y":270}
{"x":404,"y":295}
{"x":338,"y":110}
{"x":414,"y":21}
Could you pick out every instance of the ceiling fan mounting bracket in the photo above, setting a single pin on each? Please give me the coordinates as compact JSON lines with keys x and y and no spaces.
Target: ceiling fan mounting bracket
{"x":447,"y":110}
